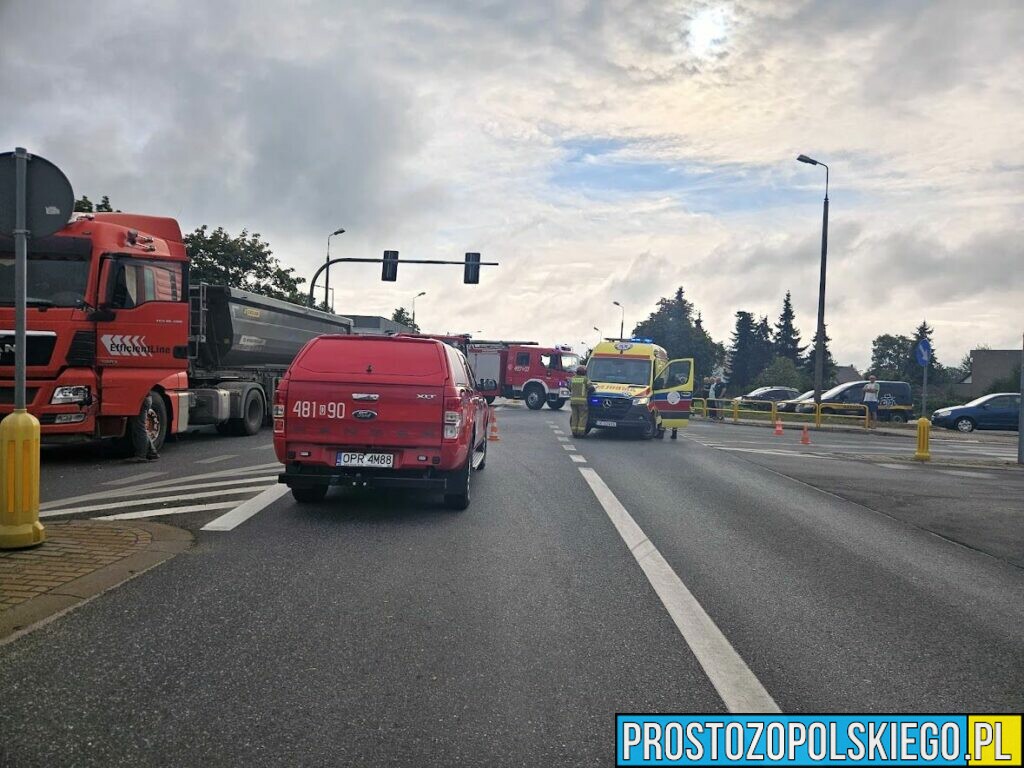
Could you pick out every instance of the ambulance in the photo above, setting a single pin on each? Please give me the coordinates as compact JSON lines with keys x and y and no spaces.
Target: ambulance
{"x":634,"y":386}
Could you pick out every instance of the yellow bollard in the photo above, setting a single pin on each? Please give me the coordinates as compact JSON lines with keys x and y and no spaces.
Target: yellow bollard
{"x":924,"y":428}
{"x":19,"y":482}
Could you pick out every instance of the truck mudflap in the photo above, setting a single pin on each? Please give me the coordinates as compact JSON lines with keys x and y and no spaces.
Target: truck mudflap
{"x":301,"y":476}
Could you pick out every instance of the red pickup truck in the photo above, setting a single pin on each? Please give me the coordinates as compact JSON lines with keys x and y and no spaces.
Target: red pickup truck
{"x":378,"y":411}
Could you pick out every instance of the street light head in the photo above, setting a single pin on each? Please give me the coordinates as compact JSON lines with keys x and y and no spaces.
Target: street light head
{"x":616,"y":304}
{"x":338,"y":232}
{"x":421,"y":293}
{"x":806,"y":159}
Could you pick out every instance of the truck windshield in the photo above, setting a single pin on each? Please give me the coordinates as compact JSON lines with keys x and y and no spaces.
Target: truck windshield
{"x":58,"y":281}
{"x":619,"y":370}
{"x":570,"y":362}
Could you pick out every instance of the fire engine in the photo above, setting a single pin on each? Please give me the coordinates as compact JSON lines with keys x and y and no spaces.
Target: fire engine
{"x":524,"y":371}
{"x":112,"y":317}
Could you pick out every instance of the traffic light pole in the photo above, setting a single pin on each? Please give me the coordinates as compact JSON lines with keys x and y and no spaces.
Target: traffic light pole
{"x":356,"y":260}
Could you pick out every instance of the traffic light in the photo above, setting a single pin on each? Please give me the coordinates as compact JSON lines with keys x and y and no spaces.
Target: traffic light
{"x":471,"y":275}
{"x":389,"y":269}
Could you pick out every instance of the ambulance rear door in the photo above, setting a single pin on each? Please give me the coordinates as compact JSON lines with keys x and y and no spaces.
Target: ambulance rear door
{"x":673,"y":392}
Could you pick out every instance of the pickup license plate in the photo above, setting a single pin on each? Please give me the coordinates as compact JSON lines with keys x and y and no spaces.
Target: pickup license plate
{"x":606,"y":423}
{"x":349,"y":459}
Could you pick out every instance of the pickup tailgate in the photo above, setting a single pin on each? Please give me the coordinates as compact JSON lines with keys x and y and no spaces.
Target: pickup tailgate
{"x":364,"y":415}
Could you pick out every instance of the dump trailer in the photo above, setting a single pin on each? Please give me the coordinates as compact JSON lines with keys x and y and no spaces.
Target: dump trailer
{"x":112,"y":318}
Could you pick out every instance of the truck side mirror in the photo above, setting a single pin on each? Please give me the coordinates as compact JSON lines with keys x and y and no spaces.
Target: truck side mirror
{"x":102,"y":315}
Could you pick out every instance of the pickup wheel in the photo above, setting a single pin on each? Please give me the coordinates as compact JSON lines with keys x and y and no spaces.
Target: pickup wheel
{"x":556,"y":405}
{"x":310,"y":494}
{"x":534,"y":397}
{"x":459,"y":481}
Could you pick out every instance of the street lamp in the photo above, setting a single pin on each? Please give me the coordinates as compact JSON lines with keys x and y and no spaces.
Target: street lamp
{"x":327,"y":273}
{"x":819,"y":346}
{"x":622,"y":322}
{"x":421,"y":293}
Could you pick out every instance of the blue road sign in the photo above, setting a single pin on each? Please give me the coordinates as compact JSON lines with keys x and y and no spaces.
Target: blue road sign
{"x":923,"y":352}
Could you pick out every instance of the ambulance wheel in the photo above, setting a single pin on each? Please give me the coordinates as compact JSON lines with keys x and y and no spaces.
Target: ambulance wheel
{"x":310,"y":495}
{"x":649,"y":429}
{"x":556,"y":405}
{"x":535,"y":398}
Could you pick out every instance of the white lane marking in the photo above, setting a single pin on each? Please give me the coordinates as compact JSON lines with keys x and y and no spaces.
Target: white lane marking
{"x":577,"y":458}
{"x":266,"y":447}
{"x":173,"y":482}
{"x":773,"y":452}
{"x":895,"y":466}
{"x":143,"y":502}
{"x":965,"y":473}
{"x":739,"y":688}
{"x":134,"y":478}
{"x":569,"y":447}
{"x":216,"y":459}
{"x":562,"y":439}
{"x":247,"y":509}
{"x":170,"y":511}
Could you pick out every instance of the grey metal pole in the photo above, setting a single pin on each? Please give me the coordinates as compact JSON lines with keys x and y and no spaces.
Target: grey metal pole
{"x":1020,"y":414}
{"x":20,"y":275}
{"x":327,"y":275}
{"x":819,"y":346}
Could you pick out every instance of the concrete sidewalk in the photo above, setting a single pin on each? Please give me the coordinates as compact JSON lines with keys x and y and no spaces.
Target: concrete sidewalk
{"x":79,"y":560}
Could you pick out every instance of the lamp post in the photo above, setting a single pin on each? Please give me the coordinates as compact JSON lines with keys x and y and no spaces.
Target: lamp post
{"x":327,"y":274}
{"x":599,"y":336}
{"x":421,"y":293}
{"x":622,"y":322}
{"x":819,"y":345}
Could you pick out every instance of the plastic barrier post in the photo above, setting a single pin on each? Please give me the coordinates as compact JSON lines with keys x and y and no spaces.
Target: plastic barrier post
{"x":735,"y":411}
{"x":924,"y":428}
{"x":19,"y":482}
{"x":817,"y":415}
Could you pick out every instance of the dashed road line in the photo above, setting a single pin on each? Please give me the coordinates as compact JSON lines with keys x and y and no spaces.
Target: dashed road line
{"x":217,"y":459}
{"x":562,"y":439}
{"x":739,"y":688}
{"x":134,"y":478}
{"x":577,"y":458}
{"x":244,"y":511}
{"x":569,"y":447}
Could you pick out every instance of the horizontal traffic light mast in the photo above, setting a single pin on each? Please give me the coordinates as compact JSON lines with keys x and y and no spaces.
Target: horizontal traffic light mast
{"x":389,"y":269}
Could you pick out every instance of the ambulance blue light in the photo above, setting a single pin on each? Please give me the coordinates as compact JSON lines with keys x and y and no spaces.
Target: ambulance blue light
{"x":642,"y":341}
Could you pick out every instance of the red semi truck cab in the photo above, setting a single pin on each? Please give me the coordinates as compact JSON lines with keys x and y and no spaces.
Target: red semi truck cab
{"x":108,"y":321}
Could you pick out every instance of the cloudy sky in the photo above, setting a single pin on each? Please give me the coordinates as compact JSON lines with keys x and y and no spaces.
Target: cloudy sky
{"x":599,"y":150}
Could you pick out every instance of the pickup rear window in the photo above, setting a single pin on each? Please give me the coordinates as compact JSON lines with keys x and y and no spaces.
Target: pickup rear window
{"x":384,"y":358}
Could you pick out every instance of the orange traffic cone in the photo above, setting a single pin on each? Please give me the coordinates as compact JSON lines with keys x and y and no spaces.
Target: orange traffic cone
{"x":493,"y":437}
{"x":778,"y":429}
{"x":805,"y":439}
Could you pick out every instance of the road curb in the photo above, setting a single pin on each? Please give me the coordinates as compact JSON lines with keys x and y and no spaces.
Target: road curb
{"x":163,"y":543}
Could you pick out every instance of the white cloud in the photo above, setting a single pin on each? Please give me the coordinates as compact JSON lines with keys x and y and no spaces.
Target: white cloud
{"x":437,"y":128}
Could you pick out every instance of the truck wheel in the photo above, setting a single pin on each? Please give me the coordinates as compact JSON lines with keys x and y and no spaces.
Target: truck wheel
{"x":898,"y":418}
{"x":251,"y":421}
{"x":156,"y":423}
{"x":534,"y":398}
{"x":460,"y":480}
{"x":556,"y":405}
{"x":310,"y":495}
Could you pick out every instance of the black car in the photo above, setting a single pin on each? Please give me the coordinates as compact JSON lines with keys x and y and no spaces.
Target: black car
{"x":768,"y":395}
{"x":895,"y":402}
{"x":790,"y":406}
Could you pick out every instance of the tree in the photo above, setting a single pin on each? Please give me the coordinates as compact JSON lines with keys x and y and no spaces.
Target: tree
{"x":763,"y":350}
{"x":744,"y":352}
{"x":889,"y":356}
{"x":672,"y":326}
{"x":242,"y":261}
{"x":913,"y":372}
{"x":783,"y":372}
{"x":400,"y":315}
{"x":104,"y":206}
{"x":828,"y":375}
{"x":786,"y":342}
{"x":83,"y":205}
{"x":1010,"y":383}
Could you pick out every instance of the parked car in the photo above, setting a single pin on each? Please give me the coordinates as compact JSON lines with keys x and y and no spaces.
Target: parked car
{"x":378,"y":411}
{"x":895,"y":402}
{"x":790,"y":406}
{"x":768,"y":395}
{"x":998,"y":411}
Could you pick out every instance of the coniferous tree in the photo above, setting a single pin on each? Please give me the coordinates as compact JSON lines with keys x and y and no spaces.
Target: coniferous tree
{"x":786,"y":341}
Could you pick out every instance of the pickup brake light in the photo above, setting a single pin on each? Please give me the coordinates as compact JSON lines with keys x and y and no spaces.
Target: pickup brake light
{"x":452,"y":417}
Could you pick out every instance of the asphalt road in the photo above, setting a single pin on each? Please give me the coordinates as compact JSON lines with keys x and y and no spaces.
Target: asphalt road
{"x":386,"y":630}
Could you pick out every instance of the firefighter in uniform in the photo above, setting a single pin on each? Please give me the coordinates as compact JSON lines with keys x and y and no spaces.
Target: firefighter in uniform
{"x":578,"y":393}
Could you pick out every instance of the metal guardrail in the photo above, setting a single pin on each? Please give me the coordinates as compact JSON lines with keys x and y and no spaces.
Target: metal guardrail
{"x":766,"y":410}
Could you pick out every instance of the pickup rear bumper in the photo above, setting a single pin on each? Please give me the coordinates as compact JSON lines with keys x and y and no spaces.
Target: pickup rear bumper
{"x":305,"y":476}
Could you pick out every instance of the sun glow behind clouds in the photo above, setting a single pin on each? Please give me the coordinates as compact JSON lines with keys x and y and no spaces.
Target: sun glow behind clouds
{"x":708,"y":30}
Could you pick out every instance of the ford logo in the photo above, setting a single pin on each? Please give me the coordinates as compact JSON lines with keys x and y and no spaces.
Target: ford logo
{"x":364,"y":415}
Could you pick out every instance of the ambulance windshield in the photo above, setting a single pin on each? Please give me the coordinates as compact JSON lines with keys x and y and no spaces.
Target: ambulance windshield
{"x":619,"y":370}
